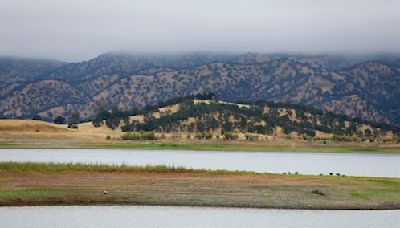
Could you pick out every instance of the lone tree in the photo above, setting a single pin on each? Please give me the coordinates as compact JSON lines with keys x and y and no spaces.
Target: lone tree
{"x":74,"y":120}
{"x":59,"y":120}
{"x":102,"y":114}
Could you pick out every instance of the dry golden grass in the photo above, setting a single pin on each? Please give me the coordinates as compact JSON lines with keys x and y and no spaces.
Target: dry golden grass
{"x":103,"y":131}
{"x":30,"y":126}
{"x":34,"y":131}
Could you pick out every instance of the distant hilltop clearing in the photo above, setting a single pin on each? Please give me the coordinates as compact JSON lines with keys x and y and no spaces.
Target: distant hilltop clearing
{"x":365,"y":87}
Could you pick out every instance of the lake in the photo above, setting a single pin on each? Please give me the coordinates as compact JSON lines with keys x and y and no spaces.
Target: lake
{"x":354,"y":164}
{"x":146,"y":216}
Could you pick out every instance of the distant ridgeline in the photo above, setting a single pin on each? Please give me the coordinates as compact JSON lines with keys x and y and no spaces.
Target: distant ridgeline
{"x":215,"y":119}
{"x":363,"y":86}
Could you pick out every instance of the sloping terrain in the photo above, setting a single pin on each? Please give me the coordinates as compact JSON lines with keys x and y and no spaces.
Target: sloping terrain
{"x":358,"y":87}
{"x":30,"y":126}
{"x":40,"y":132}
{"x":195,"y":118}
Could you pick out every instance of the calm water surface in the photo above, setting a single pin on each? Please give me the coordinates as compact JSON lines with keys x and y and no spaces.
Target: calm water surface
{"x":378,"y":165}
{"x":133,"y":216}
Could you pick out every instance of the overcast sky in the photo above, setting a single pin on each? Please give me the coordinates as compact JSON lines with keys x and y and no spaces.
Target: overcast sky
{"x":75,"y":30}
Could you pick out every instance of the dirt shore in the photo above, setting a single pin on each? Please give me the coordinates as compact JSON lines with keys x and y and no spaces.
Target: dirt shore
{"x":154,"y":186}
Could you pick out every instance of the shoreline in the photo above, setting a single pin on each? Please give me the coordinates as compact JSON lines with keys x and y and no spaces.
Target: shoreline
{"x":122,"y":204}
{"x":49,"y":184}
{"x":199,"y":206}
{"x":207,"y":146}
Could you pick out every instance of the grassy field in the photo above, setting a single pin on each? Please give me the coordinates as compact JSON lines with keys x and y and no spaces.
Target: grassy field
{"x":39,"y":134}
{"x":237,"y":146}
{"x":78,"y":184}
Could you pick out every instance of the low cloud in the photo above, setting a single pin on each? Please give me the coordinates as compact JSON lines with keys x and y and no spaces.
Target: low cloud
{"x":74,"y":30}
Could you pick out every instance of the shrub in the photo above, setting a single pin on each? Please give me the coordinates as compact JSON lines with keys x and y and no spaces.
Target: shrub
{"x":36,"y":117}
{"x":341,"y":138}
{"x":74,"y":126}
{"x":251,"y":137}
{"x":59,"y":120}
{"x":230,"y":136}
{"x":139,"y":136}
{"x":318,"y":192}
{"x":203,"y":135}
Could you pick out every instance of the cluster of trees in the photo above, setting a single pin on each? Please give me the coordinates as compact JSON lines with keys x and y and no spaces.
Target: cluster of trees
{"x":245,"y":120}
{"x":111,"y":118}
{"x":72,"y":121}
{"x":231,"y":118}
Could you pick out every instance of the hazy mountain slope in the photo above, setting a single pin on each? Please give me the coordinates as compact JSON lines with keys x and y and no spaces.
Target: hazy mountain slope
{"x":14,"y":72}
{"x":126,"y":65}
{"x":364,"y":87}
{"x":14,"y":69}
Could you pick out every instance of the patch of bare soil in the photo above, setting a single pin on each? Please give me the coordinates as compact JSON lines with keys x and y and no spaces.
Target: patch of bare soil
{"x":192,"y":189}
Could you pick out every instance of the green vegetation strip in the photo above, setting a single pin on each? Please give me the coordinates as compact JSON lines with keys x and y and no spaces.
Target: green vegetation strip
{"x":61,"y":167}
{"x":206,"y":147}
{"x":242,"y":147}
{"x":30,"y":193}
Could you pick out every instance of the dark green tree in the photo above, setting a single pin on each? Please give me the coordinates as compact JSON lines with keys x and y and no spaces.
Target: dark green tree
{"x":59,"y":120}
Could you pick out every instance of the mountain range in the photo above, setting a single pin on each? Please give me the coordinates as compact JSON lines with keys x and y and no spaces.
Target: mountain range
{"x":367,"y":87}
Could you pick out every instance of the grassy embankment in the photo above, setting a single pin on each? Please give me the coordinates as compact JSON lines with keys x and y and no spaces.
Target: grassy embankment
{"x":78,"y":184}
{"x":208,"y":146}
{"x":39,"y":134}
{"x":238,"y":146}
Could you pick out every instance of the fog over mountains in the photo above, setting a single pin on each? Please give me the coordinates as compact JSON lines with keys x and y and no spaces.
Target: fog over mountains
{"x":76,"y":30}
{"x":366,"y":87}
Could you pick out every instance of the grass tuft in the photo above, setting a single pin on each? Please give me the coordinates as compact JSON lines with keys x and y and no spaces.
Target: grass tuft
{"x":62,"y":167}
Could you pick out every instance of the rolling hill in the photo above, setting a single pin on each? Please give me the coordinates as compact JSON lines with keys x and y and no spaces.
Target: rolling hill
{"x":202,"y":117}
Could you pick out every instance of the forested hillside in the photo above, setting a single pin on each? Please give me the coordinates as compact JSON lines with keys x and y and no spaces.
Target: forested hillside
{"x":204,"y":117}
